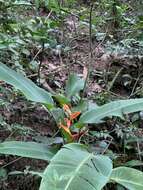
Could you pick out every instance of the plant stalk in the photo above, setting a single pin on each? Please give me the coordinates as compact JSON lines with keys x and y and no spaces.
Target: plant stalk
{"x":90,"y":50}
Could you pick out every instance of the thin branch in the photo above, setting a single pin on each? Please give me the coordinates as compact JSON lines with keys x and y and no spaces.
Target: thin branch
{"x":107,"y":146}
{"x":13,"y":161}
{"x":114,"y":79}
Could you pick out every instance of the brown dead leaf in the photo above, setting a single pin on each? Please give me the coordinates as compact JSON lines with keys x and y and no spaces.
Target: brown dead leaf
{"x":96,"y":87}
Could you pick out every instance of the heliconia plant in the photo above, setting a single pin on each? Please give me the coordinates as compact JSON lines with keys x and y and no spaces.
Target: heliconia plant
{"x":72,"y":167}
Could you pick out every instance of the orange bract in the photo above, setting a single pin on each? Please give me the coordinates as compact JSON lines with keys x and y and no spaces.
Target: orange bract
{"x":66,"y":108}
{"x":74,"y":115}
{"x":68,"y":122}
{"x":65,"y":128}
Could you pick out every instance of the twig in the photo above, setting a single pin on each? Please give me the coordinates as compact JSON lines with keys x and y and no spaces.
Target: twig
{"x":13,"y":161}
{"x":107,"y":146}
{"x":134,"y":87}
{"x":32,"y":75}
{"x":10,"y":135}
{"x":114,"y":79}
{"x":49,"y":15}
{"x":39,"y":51}
{"x":137,"y":91}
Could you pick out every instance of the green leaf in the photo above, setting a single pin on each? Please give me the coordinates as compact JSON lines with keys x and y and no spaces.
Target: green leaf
{"x":26,"y":86}
{"x":27,"y":149}
{"x":82,"y":106}
{"x":74,"y":168}
{"x":58,"y":115}
{"x":133,"y":163}
{"x":53,"y":5}
{"x":74,"y":85}
{"x":116,"y":108}
{"x":130,"y":178}
{"x":61,"y":99}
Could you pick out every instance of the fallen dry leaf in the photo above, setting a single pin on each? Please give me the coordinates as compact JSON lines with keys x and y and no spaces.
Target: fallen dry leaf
{"x":96,"y":87}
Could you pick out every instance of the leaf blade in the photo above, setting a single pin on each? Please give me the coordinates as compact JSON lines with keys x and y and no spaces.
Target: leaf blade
{"x":130,"y":178}
{"x":74,"y":85}
{"x":116,"y":108}
{"x":73,"y":167}
{"x":26,"y":86}
{"x":27,"y":149}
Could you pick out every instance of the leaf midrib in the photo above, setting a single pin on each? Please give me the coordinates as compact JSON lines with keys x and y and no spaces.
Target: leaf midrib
{"x":77,"y":170}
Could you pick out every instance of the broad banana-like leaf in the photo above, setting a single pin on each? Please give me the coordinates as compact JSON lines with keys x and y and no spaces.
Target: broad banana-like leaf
{"x":74,"y":168}
{"x":74,"y":85}
{"x":130,"y":178}
{"x":115,"y":108}
{"x":26,"y":86}
{"x":28,"y":149}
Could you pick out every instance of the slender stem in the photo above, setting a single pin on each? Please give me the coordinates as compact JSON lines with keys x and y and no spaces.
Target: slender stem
{"x":40,"y":65}
{"x":90,"y":49}
{"x":139,"y":153}
{"x":107,"y":146}
{"x":136,"y":82}
{"x":114,"y":79}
